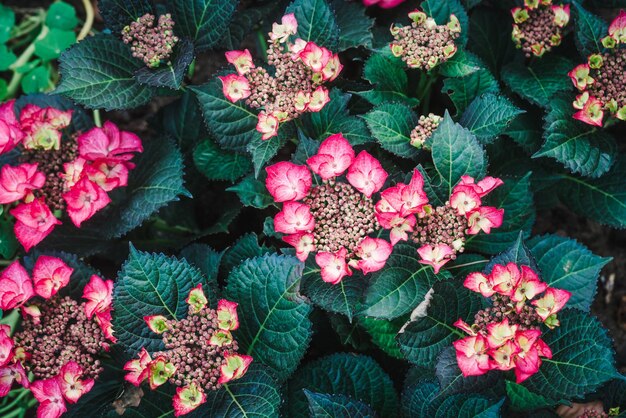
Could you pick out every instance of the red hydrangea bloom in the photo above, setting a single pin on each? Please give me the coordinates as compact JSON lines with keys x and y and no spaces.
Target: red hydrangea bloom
{"x":84,"y":199}
{"x":17,"y":182}
{"x":108,"y":143}
{"x":335,"y":218}
{"x":506,"y":335}
{"x":16,"y":287}
{"x":42,"y":126}
{"x":50,"y":274}
{"x":34,"y":222}
{"x":10,"y":131}
{"x":48,"y":393}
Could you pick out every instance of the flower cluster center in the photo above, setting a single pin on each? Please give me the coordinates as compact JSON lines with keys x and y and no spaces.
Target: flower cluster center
{"x":502,"y":307}
{"x":441,"y":226}
{"x":610,"y":79}
{"x":150,"y":43}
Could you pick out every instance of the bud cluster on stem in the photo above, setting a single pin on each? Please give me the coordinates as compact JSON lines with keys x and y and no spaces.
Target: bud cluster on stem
{"x":538,"y":26}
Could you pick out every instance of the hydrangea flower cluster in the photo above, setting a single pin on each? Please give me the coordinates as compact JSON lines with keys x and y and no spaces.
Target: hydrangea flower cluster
{"x":332,"y":219}
{"x":200,"y":352}
{"x":440,"y":232}
{"x":538,"y":26}
{"x":73,"y":174}
{"x":507,"y":335}
{"x":424,"y":129}
{"x":295,"y":87}
{"x":601,"y":80}
{"x":383,"y":4}
{"x":150,"y":43}
{"x":425,"y":44}
{"x":60,"y":341}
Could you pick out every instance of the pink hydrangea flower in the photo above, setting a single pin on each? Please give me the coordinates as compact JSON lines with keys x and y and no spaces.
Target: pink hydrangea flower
{"x":617,"y":28}
{"x":267,"y":125}
{"x":334,"y":266}
{"x":551,"y":302}
{"x":187,"y":399}
{"x":17,"y":182}
{"x":235,"y":87}
{"x":34,"y":221}
{"x":384,"y":4}
{"x":373,"y":253}
{"x":236,"y":366}
{"x":483,"y":219}
{"x":42,"y":126}
{"x":293,"y":218}
{"x":303,"y":243}
{"x":227,"y":315}
{"x":10,"y":131}
{"x":12,"y":373}
{"x":50,"y":274}
{"x":242,"y":60}
{"x":471,"y":355}
{"x":84,"y":199}
{"x":108,"y":143}
{"x":435,"y":255}
{"x":6,"y":345}
{"x":71,"y":382}
{"x":99,"y":294}
{"x":333,"y":157}
{"x":107,"y":175}
{"x":281,"y":31}
{"x":366,"y":174}
{"x":287,"y":181}
{"x":50,"y":396}
{"x":138,"y":368}
{"x":591,"y":113}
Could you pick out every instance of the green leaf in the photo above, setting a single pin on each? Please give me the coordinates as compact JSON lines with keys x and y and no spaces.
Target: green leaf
{"x":180,"y":120}
{"x":98,"y":73}
{"x":460,"y":64}
{"x":219,"y":164}
{"x":316,"y":22}
{"x":151,"y":284}
{"x":590,"y":29}
{"x":386,"y":73}
{"x":582,"y":148}
{"x":400,"y":286}
{"x":169,"y":75}
{"x":539,"y":82}
{"x":356,"y":376}
{"x":453,"y":382}
{"x":441,"y":11}
{"x":242,"y":24}
{"x":322,"y":405}
{"x":256,"y":395}
{"x":518,"y":253}
{"x":7,"y":21}
{"x":423,"y":339}
{"x":351,"y":334}
{"x":468,"y":406}
{"x":274,"y":324}
{"x":334,"y":118}
{"x":465,"y":264}
{"x":55,"y":42}
{"x":206,"y":259}
{"x":232,"y":124}
{"x":202,"y":21}
{"x":8,"y":243}
{"x":567,"y":264}
{"x":462,"y":90}
{"x":490,"y":37}
{"x":263,"y":151}
{"x":36,"y":81}
{"x":416,"y":399}
{"x":391,"y":125}
{"x":252,"y":192}
{"x":515,"y":196}
{"x":582,"y":356}
{"x":7,"y":57}
{"x":522,"y":399}
{"x":602,"y":199}
{"x":62,"y":16}
{"x":456,"y":152}
{"x":383,"y":333}
{"x":120,"y":13}
{"x":488,"y":116}
{"x":244,"y":248}
{"x":527,"y":132}
{"x":355,"y":27}
{"x":343,"y":297}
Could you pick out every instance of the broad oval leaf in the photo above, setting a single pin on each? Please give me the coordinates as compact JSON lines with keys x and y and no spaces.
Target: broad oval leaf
{"x":120,"y":13}
{"x":274,"y":324}
{"x":220,"y":164}
{"x":355,"y":27}
{"x":460,"y":64}
{"x":202,"y":21}
{"x":488,"y":116}
{"x":383,"y":333}
{"x":518,"y":253}
{"x":590,"y":29}
{"x":490,"y":37}
{"x":391,"y":125}
{"x":169,"y":75}
{"x":522,"y":399}
{"x":463,"y":90}
{"x":387,"y":74}
{"x":322,"y":405}
{"x":98,"y":72}
{"x":316,"y":22}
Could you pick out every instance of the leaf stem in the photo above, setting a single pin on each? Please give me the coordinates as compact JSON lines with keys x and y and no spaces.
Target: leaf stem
{"x":22,"y":60}
{"x":89,"y":16}
{"x":96,"y":118}
{"x":262,"y":43}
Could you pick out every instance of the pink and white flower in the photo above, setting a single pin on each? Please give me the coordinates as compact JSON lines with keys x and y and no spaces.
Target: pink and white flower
{"x":617,"y":29}
{"x":84,"y":199}
{"x":50,"y":396}
{"x":287,"y":27}
{"x":227,"y":317}
{"x":235,"y":367}
{"x":50,"y":274}
{"x":187,"y":399}
{"x":591,"y":113}
{"x":12,"y":373}
{"x":235,"y":87}
{"x":71,"y":382}
{"x":34,"y":222}
{"x":319,"y":99}
{"x":373,"y":253}
{"x":435,"y":255}
{"x":334,"y":266}
{"x":366,"y":174}
{"x":552,"y":301}
{"x":267,"y":125}
{"x":293,"y":218}
{"x":479,"y":283}
{"x":10,"y":131}
{"x":242,"y":60}
{"x":16,"y":287}
{"x":315,"y":57}
{"x":287,"y":181}
{"x":471,"y":355}
{"x":302,"y":242}
{"x":483,"y":219}
{"x":333,"y":158}
{"x":17,"y":182}
{"x":138,"y":368}
{"x":99,"y":294}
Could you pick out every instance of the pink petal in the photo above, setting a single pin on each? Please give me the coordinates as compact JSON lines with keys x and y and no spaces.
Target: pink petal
{"x":16,"y":286}
{"x":302,"y":242}
{"x":98,"y":293}
{"x":50,"y":274}
{"x":333,"y":157}
{"x":366,"y":174}
{"x":287,"y":181}
{"x":84,"y":199}
{"x":295,"y":217}
{"x":374,"y":253}
{"x":333,"y":265}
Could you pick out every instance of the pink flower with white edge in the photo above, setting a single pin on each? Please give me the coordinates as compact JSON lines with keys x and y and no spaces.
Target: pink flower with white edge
{"x":35,"y":221}
{"x":333,"y":157}
{"x":99,"y":295}
{"x":293,"y":218}
{"x":73,"y":171}
{"x":552,"y":301}
{"x":138,"y":368}
{"x":404,"y":199}
{"x":374,"y":253}
{"x":10,"y":131}
{"x":591,"y":113}
{"x":471,"y":355}
{"x":617,"y":29}
{"x":483,"y":219}
{"x":483,"y":187}
{"x":479,"y":283}
{"x":319,"y":98}
{"x":435,"y":255}
{"x":50,"y":396}
{"x":528,"y":287}
{"x":561,"y":14}
{"x":384,"y":4}
{"x":333,"y":265}
{"x":302,"y":242}
{"x":500,"y":332}
{"x":267,"y":125}
{"x":197,"y":300}
{"x":398,"y":226}
{"x":6,"y":345}
{"x":503,"y":355}
{"x":12,"y":373}
{"x":159,"y":372}
{"x":187,"y":399}
{"x":315,"y":57}
{"x":17,"y":182}
{"x":332,"y":68}
{"x":84,"y":199}
{"x":301,"y":101}
{"x":227,"y":318}
{"x":526,"y":364}
{"x":107,"y":175}
{"x":242,"y":60}
{"x":504,"y":279}
{"x":108,"y":143}
{"x":235,"y":87}
{"x":464,"y":199}
{"x":287,"y":181}
{"x":235,"y":367}
{"x":50,"y":274}
{"x":104,"y":321}
{"x":281,"y":31}
{"x":15,"y":286}
{"x":71,"y":382}
{"x":464,"y":326}
{"x":297,"y":47}
{"x":156,"y":323}
{"x":42,"y":126}
{"x":366,"y":174}
{"x":580,"y":76}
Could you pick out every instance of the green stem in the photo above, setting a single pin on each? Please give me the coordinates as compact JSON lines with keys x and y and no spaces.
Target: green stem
{"x":11,"y":319}
{"x":22,"y":60}
{"x":263,"y":43}
{"x":5,"y":262}
{"x":89,"y":15}
{"x":11,"y":406}
{"x":96,"y":118}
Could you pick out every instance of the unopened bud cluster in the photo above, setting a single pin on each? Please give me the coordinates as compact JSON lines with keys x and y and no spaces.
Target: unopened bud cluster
{"x":425,"y":44}
{"x":502,"y":307}
{"x":424,"y":129}
{"x":441,"y":225}
{"x":150,"y":43}
{"x":538,"y":26}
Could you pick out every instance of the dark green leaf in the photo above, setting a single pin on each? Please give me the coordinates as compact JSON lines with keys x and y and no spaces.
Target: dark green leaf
{"x":488,"y":116}
{"x":518,"y":253}
{"x":350,"y":334}
{"x":206,"y":259}
{"x":343,"y":297}
{"x":55,"y":42}
{"x":391,"y":125}
{"x":119,"y":13}
{"x":423,"y":339}
{"x":8,"y":243}
{"x":355,"y":27}
{"x":490,"y":37}
{"x":468,"y":406}
{"x":316,"y":22}
{"x":7,"y":21}
{"x":590,"y":29}
{"x":98,"y":73}
{"x":356,"y":376}
{"x":523,"y":399}
{"x":242,"y":24}
{"x":567,"y":264}
{"x":387,"y":74}
{"x":322,"y":405}
{"x":527,"y":132}
{"x":441,"y":11}
{"x":263,"y":151}
{"x":244,"y":248}
{"x":460,"y":64}
{"x":274,"y":324}
{"x":462,"y":90}
{"x":416,"y":399}
{"x":169,"y":75}
{"x":61,"y":15}
{"x":180,"y":120}
{"x":220,"y":164}
{"x":383,"y":333}
{"x":252,"y":192}
{"x":452,"y":380}
{"x":202,"y":21}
